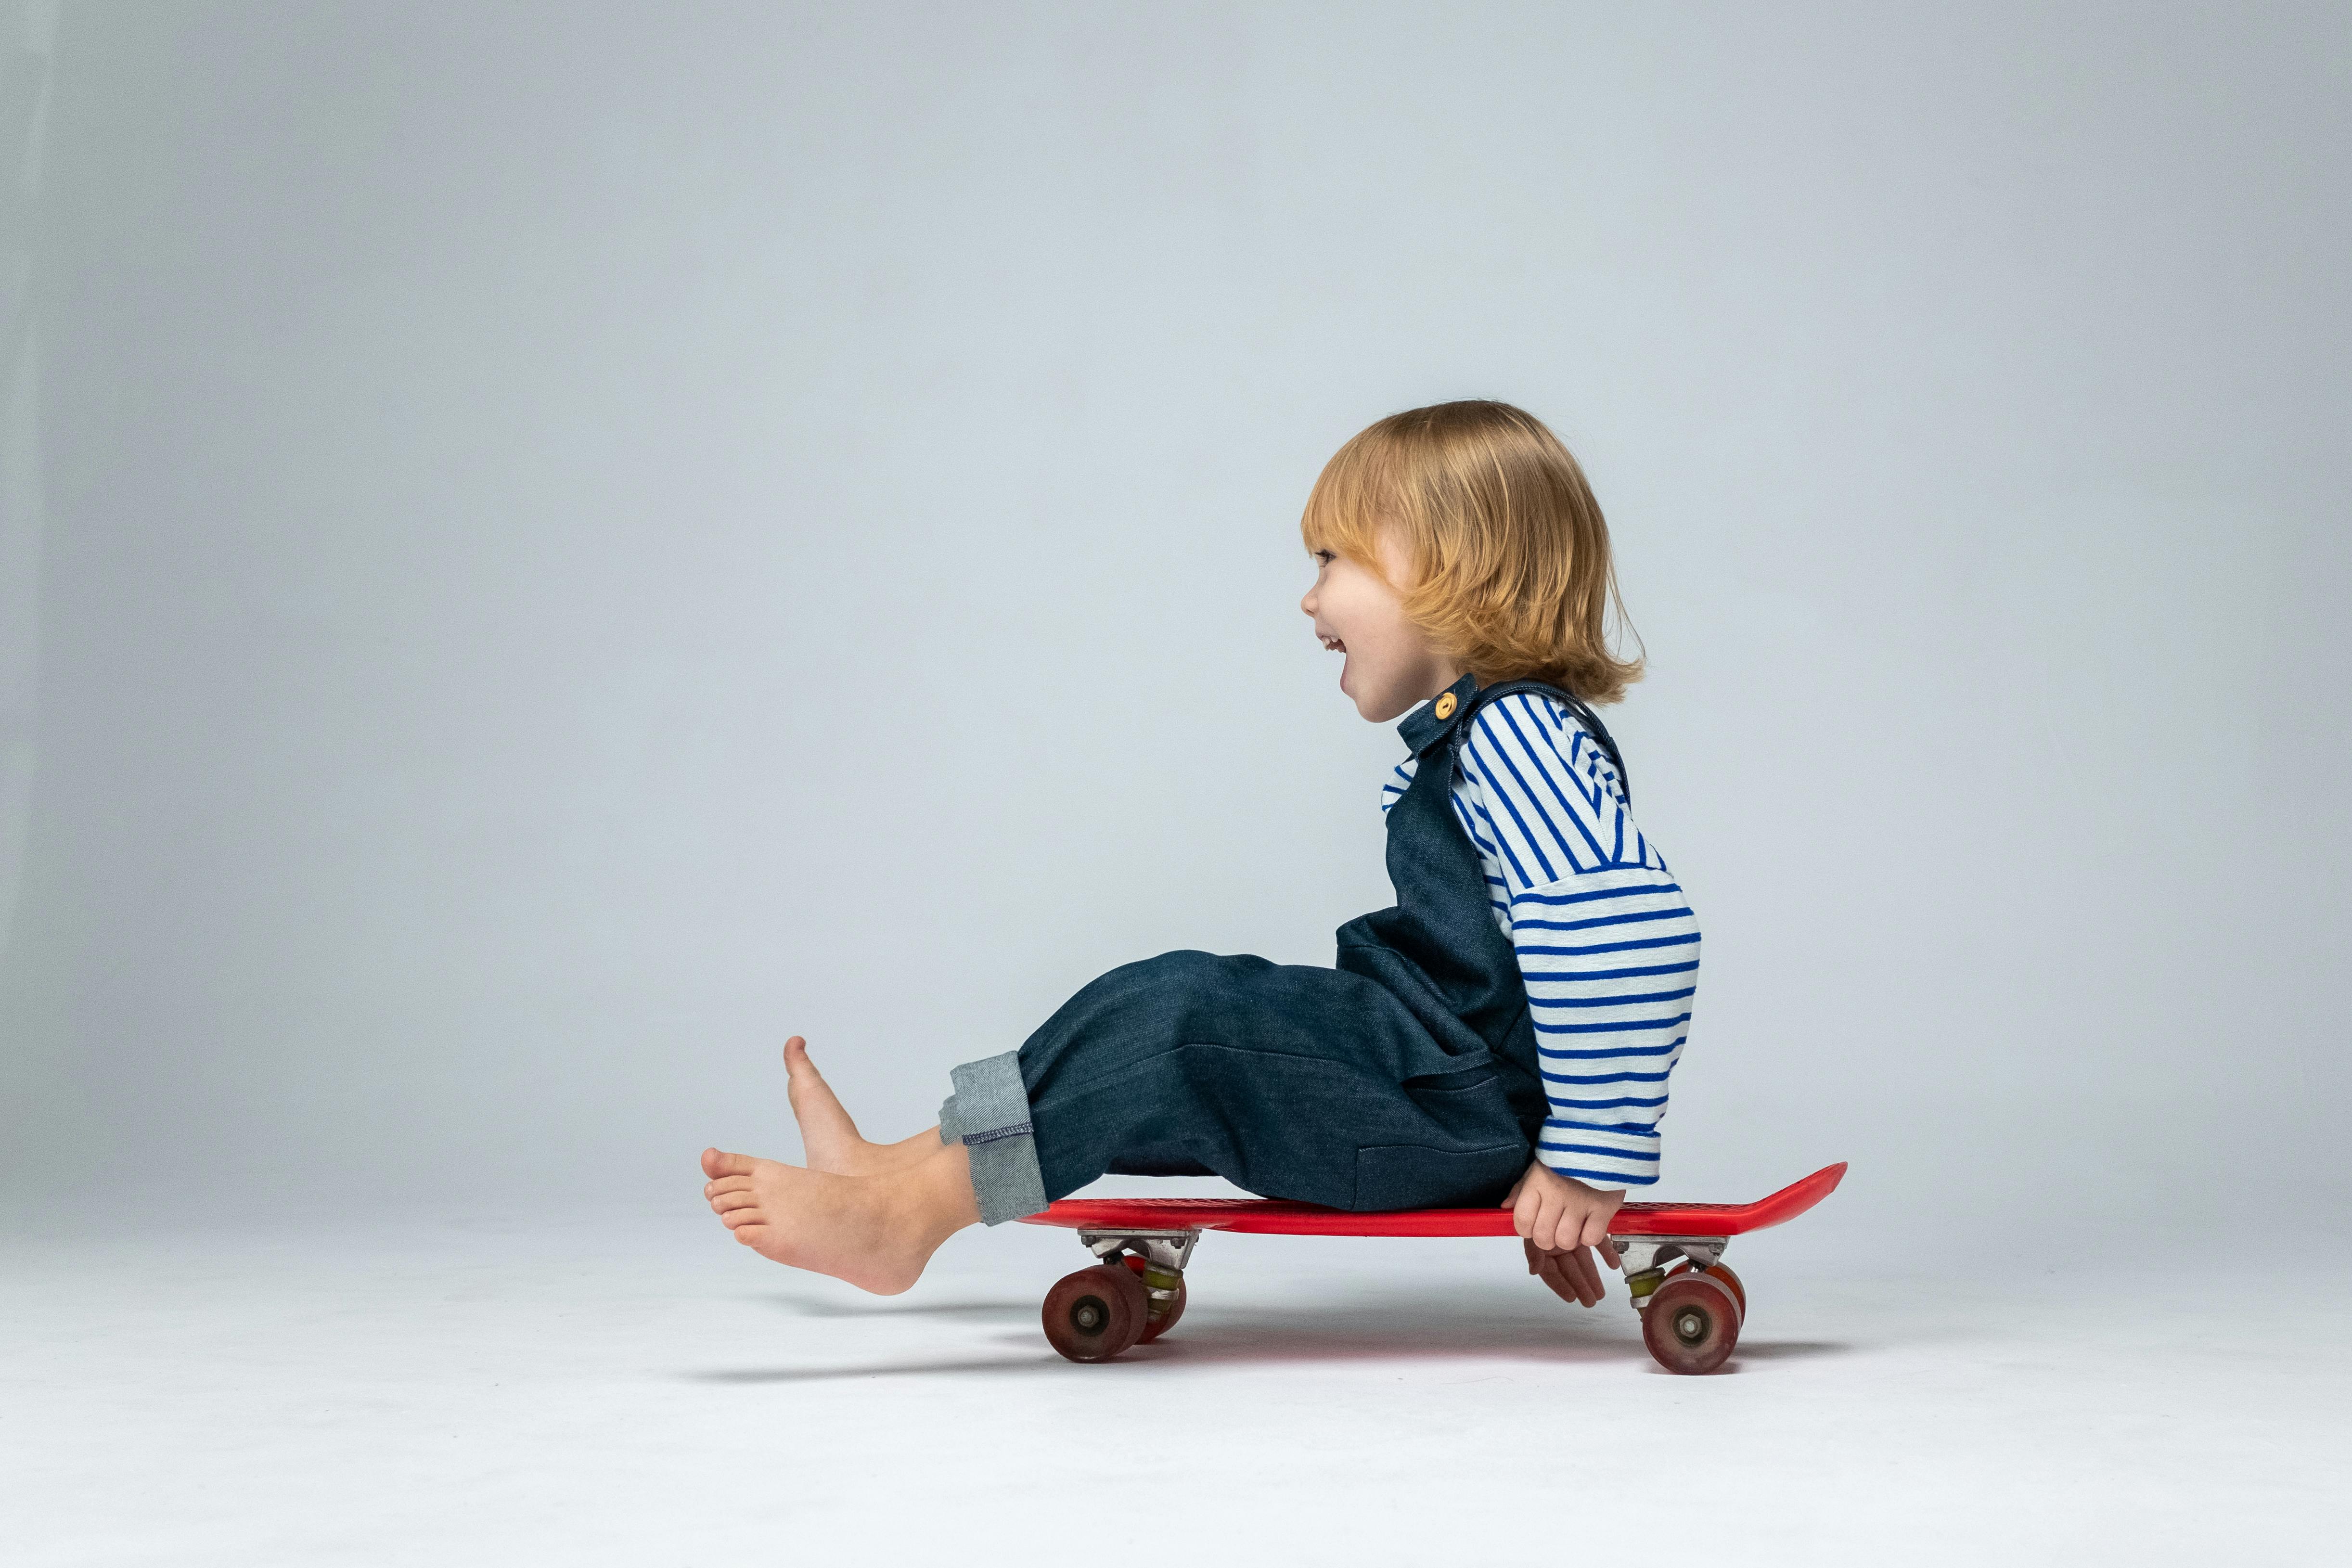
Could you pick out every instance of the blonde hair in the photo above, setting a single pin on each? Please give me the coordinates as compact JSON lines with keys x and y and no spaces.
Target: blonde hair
{"x":1513,"y":575}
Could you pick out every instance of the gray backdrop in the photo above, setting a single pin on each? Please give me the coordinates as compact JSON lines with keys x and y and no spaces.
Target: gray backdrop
{"x":546,"y":548}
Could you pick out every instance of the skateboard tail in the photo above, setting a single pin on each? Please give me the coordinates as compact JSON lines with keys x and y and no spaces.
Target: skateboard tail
{"x":1729,"y":1219}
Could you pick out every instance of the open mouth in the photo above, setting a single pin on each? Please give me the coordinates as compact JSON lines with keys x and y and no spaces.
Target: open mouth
{"x":1333,"y":645}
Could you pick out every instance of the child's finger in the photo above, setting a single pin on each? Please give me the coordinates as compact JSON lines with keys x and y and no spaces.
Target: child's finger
{"x":1524,"y":1212}
{"x":1573,"y":1277}
{"x":1561,"y":1266}
{"x":1588,"y":1277}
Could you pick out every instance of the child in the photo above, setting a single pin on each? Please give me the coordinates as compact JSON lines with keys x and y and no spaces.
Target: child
{"x":1503,"y":1034}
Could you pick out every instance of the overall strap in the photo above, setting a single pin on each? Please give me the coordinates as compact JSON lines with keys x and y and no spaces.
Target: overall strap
{"x":1576,"y":705}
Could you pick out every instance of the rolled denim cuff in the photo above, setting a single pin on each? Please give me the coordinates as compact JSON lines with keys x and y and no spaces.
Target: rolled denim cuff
{"x":989,"y":1112}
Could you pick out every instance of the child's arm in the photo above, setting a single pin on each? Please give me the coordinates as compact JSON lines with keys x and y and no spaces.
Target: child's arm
{"x":1606,"y":942}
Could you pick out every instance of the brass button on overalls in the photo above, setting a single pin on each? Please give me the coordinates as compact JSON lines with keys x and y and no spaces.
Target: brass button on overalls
{"x":1444,"y":709}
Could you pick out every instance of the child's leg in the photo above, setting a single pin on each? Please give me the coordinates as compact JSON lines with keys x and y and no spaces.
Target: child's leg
{"x":1290,"y":1080}
{"x":877,"y":1232}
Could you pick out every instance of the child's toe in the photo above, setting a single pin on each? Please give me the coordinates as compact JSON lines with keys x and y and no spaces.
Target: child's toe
{"x":718,"y":1162}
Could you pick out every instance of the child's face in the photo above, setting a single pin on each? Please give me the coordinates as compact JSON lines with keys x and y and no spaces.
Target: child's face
{"x":1388,"y":667}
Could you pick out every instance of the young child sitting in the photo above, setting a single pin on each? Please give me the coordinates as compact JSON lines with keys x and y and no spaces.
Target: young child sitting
{"x":1503,"y":1034}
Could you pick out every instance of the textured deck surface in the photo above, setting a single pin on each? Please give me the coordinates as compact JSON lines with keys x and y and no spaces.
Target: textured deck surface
{"x":1271,"y":1217}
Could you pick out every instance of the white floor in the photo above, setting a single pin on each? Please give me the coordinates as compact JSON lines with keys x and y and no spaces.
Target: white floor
{"x":591,"y":1391}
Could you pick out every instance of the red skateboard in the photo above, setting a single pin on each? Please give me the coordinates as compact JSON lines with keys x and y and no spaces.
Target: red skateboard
{"x":1691,"y":1313}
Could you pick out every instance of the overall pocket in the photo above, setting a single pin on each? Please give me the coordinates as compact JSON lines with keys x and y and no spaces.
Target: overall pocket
{"x":1417,"y":1176}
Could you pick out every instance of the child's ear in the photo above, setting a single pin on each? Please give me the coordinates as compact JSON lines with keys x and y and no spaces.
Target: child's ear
{"x":1397,"y":566}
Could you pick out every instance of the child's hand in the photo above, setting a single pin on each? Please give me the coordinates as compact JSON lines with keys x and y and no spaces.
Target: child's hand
{"x":1571,"y":1273}
{"x":1560,"y":1219}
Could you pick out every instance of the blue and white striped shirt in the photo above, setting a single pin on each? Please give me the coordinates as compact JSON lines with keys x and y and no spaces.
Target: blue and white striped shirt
{"x":1607,"y":942}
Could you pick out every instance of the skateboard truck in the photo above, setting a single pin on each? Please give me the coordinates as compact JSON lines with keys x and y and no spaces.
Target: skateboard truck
{"x":1161,"y":1255}
{"x":1643,"y":1259}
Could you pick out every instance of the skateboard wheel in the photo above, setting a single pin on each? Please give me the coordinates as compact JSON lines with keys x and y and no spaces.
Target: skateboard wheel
{"x":1096,"y":1313}
{"x":1153,"y":1330}
{"x":1738,"y":1292}
{"x":1691,"y":1323}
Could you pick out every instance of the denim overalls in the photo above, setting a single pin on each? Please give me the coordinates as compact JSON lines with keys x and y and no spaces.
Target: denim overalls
{"x":1404,"y":1078}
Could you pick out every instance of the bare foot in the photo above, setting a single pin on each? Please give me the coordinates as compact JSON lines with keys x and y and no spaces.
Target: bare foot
{"x":830,"y":1138}
{"x":875,"y":1232}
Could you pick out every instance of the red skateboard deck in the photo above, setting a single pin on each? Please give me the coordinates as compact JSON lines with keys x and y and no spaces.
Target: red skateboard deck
{"x":1691,"y":1314}
{"x":1273,"y":1216}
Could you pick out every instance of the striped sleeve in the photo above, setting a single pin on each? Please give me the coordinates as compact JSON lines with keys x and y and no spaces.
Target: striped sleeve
{"x":1606,"y":940}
